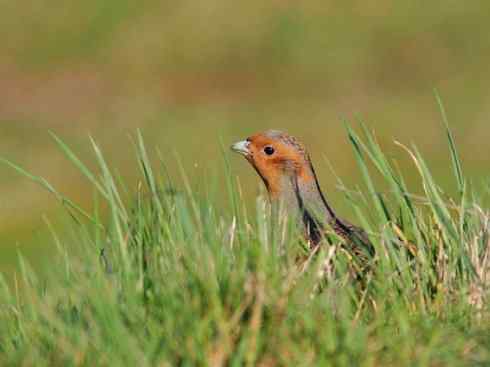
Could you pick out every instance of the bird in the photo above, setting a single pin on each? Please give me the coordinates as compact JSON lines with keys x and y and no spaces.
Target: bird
{"x":285,"y":167}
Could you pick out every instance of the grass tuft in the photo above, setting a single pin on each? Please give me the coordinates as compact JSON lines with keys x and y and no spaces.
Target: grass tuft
{"x":165,"y":278}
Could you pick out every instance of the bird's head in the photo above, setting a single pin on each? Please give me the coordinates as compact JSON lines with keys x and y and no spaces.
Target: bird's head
{"x":278,"y":158}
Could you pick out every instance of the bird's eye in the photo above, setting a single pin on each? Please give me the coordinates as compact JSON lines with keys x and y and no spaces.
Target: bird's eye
{"x":269,"y":150}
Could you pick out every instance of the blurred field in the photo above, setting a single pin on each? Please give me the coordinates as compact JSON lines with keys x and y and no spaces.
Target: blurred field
{"x":191,"y":73}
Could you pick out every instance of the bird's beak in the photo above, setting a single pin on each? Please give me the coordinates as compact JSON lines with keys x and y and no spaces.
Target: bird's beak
{"x":241,"y":147}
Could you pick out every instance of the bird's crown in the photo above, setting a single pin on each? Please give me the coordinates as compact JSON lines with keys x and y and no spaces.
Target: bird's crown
{"x":286,"y":139}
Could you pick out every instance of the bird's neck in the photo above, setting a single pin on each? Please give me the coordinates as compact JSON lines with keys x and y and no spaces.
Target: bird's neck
{"x":301,"y":194}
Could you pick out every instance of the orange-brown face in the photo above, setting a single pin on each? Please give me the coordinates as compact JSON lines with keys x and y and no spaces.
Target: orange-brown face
{"x":277,"y":157}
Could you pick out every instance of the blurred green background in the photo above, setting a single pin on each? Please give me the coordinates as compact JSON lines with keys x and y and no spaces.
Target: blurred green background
{"x":189,"y":73}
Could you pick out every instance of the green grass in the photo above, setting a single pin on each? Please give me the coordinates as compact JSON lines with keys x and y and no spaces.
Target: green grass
{"x":166,"y":278}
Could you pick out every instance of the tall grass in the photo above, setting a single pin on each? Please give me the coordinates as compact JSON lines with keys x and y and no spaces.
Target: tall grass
{"x":165,"y":278}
